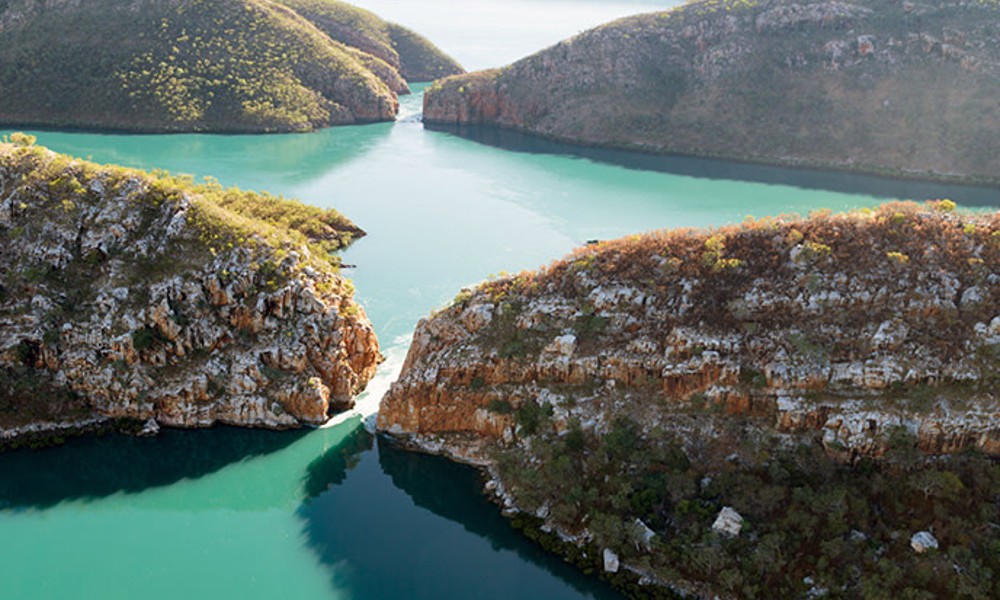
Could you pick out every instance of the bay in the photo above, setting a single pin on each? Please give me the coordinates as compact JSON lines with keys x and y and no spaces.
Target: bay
{"x":333,"y":513}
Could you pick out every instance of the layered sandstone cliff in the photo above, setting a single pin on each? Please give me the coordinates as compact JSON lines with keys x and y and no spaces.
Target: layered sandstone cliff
{"x":906,"y":88}
{"x":133,"y":296}
{"x":752,"y":412}
{"x":846,"y":325}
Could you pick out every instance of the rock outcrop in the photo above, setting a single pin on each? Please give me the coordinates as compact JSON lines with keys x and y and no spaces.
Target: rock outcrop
{"x":922,"y":541}
{"x":132,"y":296}
{"x":728,"y":522}
{"x":628,"y":395}
{"x":870,"y":85}
{"x":211,"y":65}
{"x":848,"y":326}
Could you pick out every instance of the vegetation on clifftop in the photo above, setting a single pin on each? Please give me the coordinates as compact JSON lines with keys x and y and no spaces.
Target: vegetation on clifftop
{"x":801,"y":371}
{"x":413,"y":55}
{"x":124,"y":293}
{"x":201,"y":65}
{"x":224,"y":217}
{"x":889,"y":248}
{"x":882,"y":86}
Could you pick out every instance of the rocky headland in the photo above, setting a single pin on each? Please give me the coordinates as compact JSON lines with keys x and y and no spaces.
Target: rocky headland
{"x":205,"y":65}
{"x":135,"y":297}
{"x":803,"y":371}
{"x":883,"y":86}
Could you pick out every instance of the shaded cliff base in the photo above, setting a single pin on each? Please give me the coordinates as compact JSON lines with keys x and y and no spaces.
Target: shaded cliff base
{"x":880,"y":184}
{"x":831,"y":381}
{"x":812,"y":525}
{"x":417,"y":480}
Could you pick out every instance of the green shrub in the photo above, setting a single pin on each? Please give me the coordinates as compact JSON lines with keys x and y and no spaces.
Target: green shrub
{"x":144,"y":338}
{"x":500,"y":407}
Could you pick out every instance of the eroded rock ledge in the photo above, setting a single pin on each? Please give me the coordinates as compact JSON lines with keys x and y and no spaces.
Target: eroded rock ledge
{"x":135,"y":296}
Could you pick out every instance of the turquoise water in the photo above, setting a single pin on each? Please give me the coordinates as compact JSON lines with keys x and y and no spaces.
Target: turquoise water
{"x":331,"y":513}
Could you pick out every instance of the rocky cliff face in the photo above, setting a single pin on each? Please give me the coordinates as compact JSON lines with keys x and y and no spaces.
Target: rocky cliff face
{"x":872,"y":85}
{"x":787,"y":376}
{"x":126,"y":295}
{"x":847,"y":326}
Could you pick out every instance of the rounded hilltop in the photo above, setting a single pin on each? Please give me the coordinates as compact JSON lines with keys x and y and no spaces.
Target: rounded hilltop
{"x":205,"y":65}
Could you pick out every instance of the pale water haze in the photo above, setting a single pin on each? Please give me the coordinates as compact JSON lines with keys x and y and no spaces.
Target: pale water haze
{"x":490,"y":33}
{"x":329,"y":513}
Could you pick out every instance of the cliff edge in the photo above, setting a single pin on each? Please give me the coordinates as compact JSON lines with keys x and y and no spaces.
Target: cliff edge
{"x":636,"y":388}
{"x":881,"y":86}
{"x":136,"y":296}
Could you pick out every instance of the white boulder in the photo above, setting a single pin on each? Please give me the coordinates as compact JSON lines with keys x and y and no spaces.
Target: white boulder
{"x":150,"y":428}
{"x":728,"y":523}
{"x":564,"y":345}
{"x":922,"y":541}
{"x":611,"y":561}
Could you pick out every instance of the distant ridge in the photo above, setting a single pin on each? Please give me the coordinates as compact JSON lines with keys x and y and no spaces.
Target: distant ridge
{"x":880,"y":86}
{"x":202,"y":65}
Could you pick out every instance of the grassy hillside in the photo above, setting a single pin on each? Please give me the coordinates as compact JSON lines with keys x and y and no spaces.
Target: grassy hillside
{"x":413,"y":55}
{"x":872,"y":85}
{"x":196,"y":65}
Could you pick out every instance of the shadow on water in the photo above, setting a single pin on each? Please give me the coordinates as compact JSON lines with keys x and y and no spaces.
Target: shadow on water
{"x":93,"y":467}
{"x":416,"y":523}
{"x":331,"y":468}
{"x":835,"y":181}
{"x":252,"y":161}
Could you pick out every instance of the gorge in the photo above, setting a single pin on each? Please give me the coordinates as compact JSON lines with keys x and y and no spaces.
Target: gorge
{"x":332,"y":512}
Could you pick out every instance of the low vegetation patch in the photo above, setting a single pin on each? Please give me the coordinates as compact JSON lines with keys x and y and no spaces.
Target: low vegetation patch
{"x":811,"y":524}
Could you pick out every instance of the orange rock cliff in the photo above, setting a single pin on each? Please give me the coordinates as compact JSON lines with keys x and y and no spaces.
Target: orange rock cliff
{"x":841,"y":326}
{"x":130,"y":296}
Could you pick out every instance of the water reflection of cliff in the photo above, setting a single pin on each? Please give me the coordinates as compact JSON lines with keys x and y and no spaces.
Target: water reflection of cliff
{"x":94,"y":467}
{"x":836,"y":181}
{"x":416,"y":524}
{"x":260,"y":162}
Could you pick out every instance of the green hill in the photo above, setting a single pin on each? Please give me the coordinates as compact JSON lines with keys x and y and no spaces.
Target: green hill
{"x":408,"y":52}
{"x":196,"y":65}
{"x":903,"y":88}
